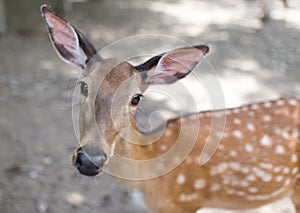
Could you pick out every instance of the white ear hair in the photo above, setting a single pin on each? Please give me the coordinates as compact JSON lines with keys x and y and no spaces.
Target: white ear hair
{"x":69,"y":43}
{"x":175,"y":64}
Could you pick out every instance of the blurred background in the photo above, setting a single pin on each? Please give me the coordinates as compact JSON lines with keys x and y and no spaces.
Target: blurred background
{"x":254,"y":60}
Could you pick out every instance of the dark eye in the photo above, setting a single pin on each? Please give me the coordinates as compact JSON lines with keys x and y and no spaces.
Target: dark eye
{"x":136,"y":99}
{"x":84,"y":89}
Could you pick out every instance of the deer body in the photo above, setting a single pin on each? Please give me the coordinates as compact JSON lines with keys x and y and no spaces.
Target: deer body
{"x":256,"y":162}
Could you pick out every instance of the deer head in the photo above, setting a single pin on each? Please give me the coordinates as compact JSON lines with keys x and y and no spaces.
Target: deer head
{"x":109,"y":107}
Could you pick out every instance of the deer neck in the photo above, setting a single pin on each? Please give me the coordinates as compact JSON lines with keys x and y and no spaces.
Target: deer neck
{"x":141,"y":146}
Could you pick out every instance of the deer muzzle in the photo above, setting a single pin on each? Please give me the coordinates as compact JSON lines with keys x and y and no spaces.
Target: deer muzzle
{"x":89,"y":161}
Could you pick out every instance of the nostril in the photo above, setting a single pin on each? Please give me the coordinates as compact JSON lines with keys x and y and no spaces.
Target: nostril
{"x":89,"y":165}
{"x":81,"y":159}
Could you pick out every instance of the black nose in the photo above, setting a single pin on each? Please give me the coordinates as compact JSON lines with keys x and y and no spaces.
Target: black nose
{"x":89,"y":164}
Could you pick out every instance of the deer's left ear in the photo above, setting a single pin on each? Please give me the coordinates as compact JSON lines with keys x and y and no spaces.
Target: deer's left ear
{"x":69,"y":42}
{"x":171,"y":66}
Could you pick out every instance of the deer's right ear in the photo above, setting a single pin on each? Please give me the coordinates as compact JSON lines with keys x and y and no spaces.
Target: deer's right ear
{"x":70,"y":44}
{"x":171,"y":66}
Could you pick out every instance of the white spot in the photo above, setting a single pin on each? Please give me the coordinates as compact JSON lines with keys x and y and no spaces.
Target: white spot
{"x":163,"y":147}
{"x":265,"y":165}
{"x":245,"y":170}
{"x":294,"y":158}
{"x":207,"y":114}
{"x":199,"y":184}
{"x":253,"y":190}
{"x":295,"y":170}
{"x":230,"y":191}
{"x":235,"y":182}
{"x":251,"y":177}
{"x":221,"y":147}
{"x":215,"y":187}
{"x":251,"y":113}
{"x":213,"y":171}
{"x":182,"y":197}
{"x":236,"y":110}
{"x":259,"y":172}
{"x":267,"y":177}
{"x":277,"y":169}
{"x":227,"y":112}
{"x":180,"y":179}
{"x":150,"y":147}
{"x":285,"y":134}
{"x":235,"y":166}
{"x":232,"y":153}
{"x":293,"y":102}
{"x":286,"y":170}
{"x":248,"y":148}
{"x":236,"y":121}
{"x":218,"y":114}
{"x":279,"y":150}
{"x":237,"y":134}
{"x":240,"y":193}
{"x":265,"y":140}
{"x":245,"y":108}
{"x":250,"y":127}
{"x":277,"y":131}
{"x":254,"y":106}
{"x":191,"y":197}
{"x":266,"y":196}
{"x":295,"y":133}
{"x":267,"y":118}
{"x":197,"y":158}
{"x":287,"y":182}
{"x":279,"y":178}
{"x":221,"y":134}
{"x":168,"y":133}
{"x":267,"y":104}
{"x":177,"y":159}
{"x":222,"y":167}
{"x":188,"y":160}
{"x":244,"y":183}
{"x":280,"y":102}
{"x":226,"y":181}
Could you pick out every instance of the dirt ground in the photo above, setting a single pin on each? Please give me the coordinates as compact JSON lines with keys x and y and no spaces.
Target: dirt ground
{"x":253,"y":62}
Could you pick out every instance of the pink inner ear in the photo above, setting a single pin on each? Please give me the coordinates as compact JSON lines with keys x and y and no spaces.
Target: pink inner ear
{"x":65,"y":39}
{"x":175,"y":65}
{"x":180,"y":61}
{"x":61,"y":30}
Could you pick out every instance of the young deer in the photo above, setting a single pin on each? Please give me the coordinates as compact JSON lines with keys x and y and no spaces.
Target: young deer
{"x":256,"y":163}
